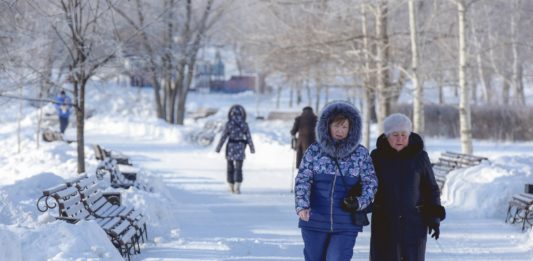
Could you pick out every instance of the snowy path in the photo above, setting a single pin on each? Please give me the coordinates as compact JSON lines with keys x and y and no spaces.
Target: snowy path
{"x":260,"y":224}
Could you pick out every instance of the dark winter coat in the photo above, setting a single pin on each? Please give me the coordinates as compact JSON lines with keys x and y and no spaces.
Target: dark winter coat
{"x":304,"y":125}
{"x":319,"y":186}
{"x":237,"y":133}
{"x":406,"y":187}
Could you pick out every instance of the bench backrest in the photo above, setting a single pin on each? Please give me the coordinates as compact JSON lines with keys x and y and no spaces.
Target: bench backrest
{"x":67,"y":199}
{"x":282,"y":115}
{"x":98,"y":153}
{"x":91,"y":193}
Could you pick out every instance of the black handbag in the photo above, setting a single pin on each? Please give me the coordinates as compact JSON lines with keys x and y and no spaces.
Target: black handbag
{"x":294,"y":143}
{"x":359,"y":217}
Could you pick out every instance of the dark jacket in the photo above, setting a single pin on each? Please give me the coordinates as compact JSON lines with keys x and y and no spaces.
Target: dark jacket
{"x":319,"y":188}
{"x":304,"y":125}
{"x":237,"y":132}
{"x":406,"y":188}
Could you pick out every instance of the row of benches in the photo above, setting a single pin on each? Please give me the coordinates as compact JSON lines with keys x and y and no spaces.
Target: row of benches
{"x":119,"y":168}
{"x":82,"y":198}
{"x":449,"y":161}
{"x":520,"y":209}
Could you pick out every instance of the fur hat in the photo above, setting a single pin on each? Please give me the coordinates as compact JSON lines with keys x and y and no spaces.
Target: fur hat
{"x":397,"y":122}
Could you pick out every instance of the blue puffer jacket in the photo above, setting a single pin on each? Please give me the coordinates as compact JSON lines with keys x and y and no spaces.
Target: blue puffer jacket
{"x":319,"y":188}
{"x":59,"y":101}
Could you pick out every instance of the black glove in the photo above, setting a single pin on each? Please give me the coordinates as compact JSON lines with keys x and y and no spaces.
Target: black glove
{"x":350,"y":204}
{"x":436,"y":230}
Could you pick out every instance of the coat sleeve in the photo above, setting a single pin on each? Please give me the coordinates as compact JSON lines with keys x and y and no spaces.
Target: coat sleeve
{"x":368,"y":179}
{"x":295,"y":126}
{"x":430,"y":191}
{"x":304,"y":179}
{"x":225,"y":134}
{"x":249,"y":139}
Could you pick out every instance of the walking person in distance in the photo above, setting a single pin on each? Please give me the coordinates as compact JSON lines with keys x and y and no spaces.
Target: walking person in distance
{"x":237,"y":132}
{"x":63,"y":107}
{"x":304,"y":125}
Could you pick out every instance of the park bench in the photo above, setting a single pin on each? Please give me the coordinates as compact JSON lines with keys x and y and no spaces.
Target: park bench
{"x":449,"y":161}
{"x":206,"y":135}
{"x":101,"y":154}
{"x":203,"y":112}
{"x":282,"y":115}
{"x":520,"y":208}
{"x":51,"y":136}
{"x":121,"y":175}
{"x":81,"y":199}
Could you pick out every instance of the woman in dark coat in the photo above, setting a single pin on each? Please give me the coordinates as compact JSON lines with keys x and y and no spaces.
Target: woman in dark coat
{"x":238,"y":134}
{"x":407,"y":204}
{"x":330,"y":167}
{"x":304,"y":125}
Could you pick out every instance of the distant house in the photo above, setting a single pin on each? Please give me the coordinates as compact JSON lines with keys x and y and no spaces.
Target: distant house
{"x":205,"y":73}
{"x":210,"y":77}
{"x":238,"y":84}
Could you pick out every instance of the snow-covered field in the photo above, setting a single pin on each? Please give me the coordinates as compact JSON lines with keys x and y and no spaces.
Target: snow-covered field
{"x":191,"y":216}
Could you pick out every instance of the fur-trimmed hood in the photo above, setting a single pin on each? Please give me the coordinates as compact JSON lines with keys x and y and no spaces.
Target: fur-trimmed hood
{"x":237,"y":113}
{"x":339,"y":149}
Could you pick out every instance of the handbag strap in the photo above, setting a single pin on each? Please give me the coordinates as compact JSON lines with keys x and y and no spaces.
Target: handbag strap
{"x":340,"y":172}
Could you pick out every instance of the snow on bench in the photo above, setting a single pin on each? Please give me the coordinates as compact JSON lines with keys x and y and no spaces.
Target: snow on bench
{"x":283,"y":115}
{"x":449,"y":161}
{"x":520,"y":208}
{"x":203,"y":112}
{"x":82,"y":199}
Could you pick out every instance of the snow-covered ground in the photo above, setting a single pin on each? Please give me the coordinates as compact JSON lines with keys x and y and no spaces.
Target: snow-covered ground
{"x":191,"y":216}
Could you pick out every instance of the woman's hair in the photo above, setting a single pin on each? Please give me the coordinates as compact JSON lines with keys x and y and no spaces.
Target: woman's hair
{"x":341,"y":117}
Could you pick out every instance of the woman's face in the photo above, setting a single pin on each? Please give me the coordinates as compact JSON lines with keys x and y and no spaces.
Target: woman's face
{"x":339,"y":129}
{"x":398,"y":140}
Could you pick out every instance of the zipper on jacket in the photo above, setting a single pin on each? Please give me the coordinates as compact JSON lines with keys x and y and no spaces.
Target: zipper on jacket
{"x":331,"y":200}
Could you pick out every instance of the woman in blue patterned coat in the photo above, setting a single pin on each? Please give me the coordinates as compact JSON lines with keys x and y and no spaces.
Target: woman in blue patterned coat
{"x":238,"y":134}
{"x":330,"y":167}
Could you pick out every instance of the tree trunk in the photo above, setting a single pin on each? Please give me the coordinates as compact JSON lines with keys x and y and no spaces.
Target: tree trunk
{"x":418,"y":95}
{"x":366,"y":81}
{"x":381,"y":65}
{"x":464,"y":102}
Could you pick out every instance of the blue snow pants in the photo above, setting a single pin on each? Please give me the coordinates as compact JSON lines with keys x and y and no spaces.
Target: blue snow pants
{"x":328,"y":246}
{"x":63,"y":123}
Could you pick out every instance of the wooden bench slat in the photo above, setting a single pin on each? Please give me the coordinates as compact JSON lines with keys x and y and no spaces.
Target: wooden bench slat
{"x":524,"y":197}
{"x":128,"y":235}
{"x":111,"y":223}
{"x":120,"y":228}
{"x":66,"y":192}
{"x":88,"y":182}
{"x":74,"y":180}
{"x":53,"y":190}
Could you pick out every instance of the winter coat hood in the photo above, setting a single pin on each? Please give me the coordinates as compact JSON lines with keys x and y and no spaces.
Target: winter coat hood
{"x":415,"y":146}
{"x":237,"y":113}
{"x":334,"y":148}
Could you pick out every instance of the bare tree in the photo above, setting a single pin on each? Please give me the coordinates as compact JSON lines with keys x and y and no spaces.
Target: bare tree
{"x":80,"y":30}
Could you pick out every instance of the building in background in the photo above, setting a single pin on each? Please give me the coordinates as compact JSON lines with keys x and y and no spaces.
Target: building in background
{"x":210,"y":77}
